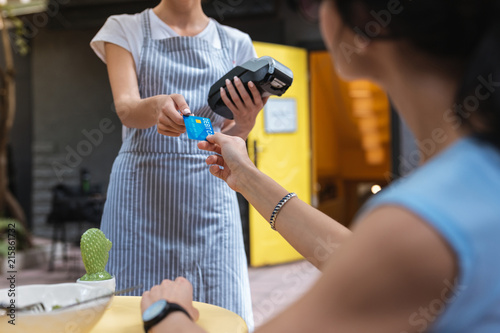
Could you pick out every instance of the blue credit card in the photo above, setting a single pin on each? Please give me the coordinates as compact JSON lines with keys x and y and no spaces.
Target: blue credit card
{"x":198,"y":128}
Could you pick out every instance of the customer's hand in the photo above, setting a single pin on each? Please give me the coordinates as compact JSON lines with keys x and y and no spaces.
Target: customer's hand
{"x":233,"y":165}
{"x":170,"y":121}
{"x":179,"y":291}
{"x":245,"y":108}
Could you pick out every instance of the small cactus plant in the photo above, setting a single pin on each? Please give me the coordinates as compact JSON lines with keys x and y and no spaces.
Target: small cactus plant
{"x":95,"y":247}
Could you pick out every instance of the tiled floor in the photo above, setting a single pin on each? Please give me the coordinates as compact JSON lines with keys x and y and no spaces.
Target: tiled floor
{"x":273,"y":287}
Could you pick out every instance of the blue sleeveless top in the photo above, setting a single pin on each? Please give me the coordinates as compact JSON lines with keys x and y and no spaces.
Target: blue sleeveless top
{"x":458,"y":193}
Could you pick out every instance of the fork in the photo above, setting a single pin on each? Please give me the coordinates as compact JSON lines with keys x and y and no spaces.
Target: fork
{"x":119,"y":292}
{"x":35,"y":308}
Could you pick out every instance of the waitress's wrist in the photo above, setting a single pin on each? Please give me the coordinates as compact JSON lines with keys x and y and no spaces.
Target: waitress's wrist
{"x":238,"y":130}
{"x":149,"y":108}
{"x":159,"y":102}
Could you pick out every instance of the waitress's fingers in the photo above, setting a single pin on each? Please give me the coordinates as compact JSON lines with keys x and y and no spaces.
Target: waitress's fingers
{"x":169,"y":133}
{"x":167,"y":129}
{"x":169,"y":110}
{"x":226,"y":99}
{"x":257,"y":98}
{"x":171,"y":117}
{"x":181,"y":104}
{"x":234,"y":95}
{"x":247,"y":100}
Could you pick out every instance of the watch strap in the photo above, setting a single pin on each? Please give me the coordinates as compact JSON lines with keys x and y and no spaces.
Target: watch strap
{"x":176,"y":307}
{"x":172,"y":307}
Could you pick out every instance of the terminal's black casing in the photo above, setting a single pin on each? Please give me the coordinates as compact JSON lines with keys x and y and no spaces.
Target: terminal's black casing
{"x":269,"y":76}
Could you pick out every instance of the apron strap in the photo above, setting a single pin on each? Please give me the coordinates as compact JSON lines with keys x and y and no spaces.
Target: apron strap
{"x":146,"y":25}
{"x":224,"y":40}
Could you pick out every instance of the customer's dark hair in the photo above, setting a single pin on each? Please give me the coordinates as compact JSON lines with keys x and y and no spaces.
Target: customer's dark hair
{"x":463,"y":30}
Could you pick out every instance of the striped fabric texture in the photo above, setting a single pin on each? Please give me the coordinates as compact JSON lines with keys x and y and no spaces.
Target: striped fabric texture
{"x":166,"y":215}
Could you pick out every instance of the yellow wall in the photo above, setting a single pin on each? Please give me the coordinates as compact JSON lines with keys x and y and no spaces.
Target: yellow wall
{"x":285,"y":157}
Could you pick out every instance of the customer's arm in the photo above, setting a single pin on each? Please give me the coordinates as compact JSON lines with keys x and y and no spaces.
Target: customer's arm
{"x":394,"y":274}
{"x":137,"y":112}
{"x":312,"y":233}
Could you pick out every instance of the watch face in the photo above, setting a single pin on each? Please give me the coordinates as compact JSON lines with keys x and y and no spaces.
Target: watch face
{"x":154,"y":310}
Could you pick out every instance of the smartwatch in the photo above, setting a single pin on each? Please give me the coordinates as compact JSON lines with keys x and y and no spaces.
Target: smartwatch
{"x":157,"y":311}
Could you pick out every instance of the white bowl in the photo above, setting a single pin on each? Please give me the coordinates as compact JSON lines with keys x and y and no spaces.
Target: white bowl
{"x":78,"y":319}
{"x":110,"y":284}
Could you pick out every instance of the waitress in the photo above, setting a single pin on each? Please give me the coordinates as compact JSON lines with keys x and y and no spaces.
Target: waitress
{"x":165,"y":214}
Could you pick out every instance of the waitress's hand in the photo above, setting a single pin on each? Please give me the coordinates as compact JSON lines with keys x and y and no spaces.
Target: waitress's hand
{"x":235,"y":163}
{"x":246,"y":108}
{"x":170,"y":121}
{"x":179,"y":291}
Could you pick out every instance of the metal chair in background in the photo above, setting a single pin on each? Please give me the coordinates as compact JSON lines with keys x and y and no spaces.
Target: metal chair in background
{"x":73,"y":204}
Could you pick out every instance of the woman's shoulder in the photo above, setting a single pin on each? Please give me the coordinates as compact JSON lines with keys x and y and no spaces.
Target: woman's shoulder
{"x":123,"y":30}
{"x":124,"y":21}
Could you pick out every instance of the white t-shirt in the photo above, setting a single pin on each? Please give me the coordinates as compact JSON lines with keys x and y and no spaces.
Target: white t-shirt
{"x":126,"y":31}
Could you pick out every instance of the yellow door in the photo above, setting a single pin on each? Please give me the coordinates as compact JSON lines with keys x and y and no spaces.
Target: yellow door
{"x":280,"y":146}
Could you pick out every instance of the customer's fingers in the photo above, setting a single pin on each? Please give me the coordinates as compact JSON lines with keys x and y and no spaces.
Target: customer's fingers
{"x":155,"y":292}
{"x":208,"y":146}
{"x":179,"y":291}
{"x":215,"y":159}
{"x":166,"y":283}
{"x":220,"y":139}
{"x":145,"y":301}
{"x":186,"y":289}
{"x":218,"y":172}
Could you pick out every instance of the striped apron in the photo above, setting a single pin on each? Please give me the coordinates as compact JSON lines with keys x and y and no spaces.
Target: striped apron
{"x":166,"y":215}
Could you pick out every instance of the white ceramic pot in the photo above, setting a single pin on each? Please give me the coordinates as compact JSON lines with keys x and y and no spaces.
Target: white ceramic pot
{"x":109,"y":284}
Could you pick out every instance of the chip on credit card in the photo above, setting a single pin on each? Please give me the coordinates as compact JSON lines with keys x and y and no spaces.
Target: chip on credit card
{"x":198,"y":128}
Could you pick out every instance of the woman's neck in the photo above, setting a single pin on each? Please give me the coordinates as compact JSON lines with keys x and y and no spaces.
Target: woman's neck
{"x":424,"y":96}
{"x":186,"y":17}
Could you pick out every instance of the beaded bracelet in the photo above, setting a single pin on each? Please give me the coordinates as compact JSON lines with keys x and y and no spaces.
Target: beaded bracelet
{"x":278,"y":207}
